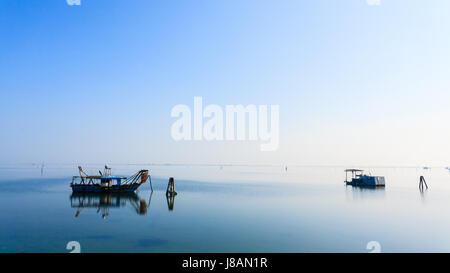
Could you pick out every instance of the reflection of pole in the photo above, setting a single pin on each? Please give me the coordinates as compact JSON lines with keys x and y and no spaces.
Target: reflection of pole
{"x":150,"y":199}
{"x":170,"y":201}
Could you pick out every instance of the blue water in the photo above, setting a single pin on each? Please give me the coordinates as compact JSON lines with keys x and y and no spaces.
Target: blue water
{"x":226,"y":209}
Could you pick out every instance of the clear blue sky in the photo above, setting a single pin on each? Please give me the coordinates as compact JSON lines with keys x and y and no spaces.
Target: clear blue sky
{"x":356,"y":84}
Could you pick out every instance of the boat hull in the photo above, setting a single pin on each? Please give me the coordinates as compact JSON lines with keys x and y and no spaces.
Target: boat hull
{"x":99,"y":188}
{"x":367,"y":181}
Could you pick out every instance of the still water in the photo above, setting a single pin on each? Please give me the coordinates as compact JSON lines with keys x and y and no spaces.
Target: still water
{"x":226,"y":209}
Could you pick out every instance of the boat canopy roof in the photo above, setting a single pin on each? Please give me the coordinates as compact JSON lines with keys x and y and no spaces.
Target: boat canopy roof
{"x":353,"y":170}
{"x":113,"y":177}
{"x":101,"y":177}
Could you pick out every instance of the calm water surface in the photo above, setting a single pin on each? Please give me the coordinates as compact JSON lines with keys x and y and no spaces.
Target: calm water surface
{"x":226,"y":209}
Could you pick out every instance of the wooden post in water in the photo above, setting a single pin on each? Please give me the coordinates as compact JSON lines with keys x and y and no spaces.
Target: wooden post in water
{"x":421,"y":183}
{"x":150,"y":181}
{"x":171,"y":187}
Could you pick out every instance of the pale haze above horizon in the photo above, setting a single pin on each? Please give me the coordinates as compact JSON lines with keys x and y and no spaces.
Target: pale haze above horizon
{"x":356,"y":84}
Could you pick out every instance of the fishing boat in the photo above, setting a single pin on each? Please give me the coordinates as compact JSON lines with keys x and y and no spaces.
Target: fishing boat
{"x":105,"y":182}
{"x":358,"y":178}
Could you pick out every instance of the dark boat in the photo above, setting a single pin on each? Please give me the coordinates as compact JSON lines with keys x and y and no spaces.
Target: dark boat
{"x":359,"y":179}
{"x":105,"y":182}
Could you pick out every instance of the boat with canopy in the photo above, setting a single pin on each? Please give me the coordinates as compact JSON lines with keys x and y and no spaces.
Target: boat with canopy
{"x":106,"y":182}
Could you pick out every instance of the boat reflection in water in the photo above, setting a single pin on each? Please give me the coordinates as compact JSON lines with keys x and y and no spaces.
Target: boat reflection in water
{"x":364,"y":192}
{"x":104,"y":201}
{"x":170,"y":202}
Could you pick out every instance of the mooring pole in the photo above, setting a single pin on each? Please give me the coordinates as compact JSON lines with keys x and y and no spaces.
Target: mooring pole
{"x":422,"y":182}
{"x":171,"y":187}
{"x":425,"y":182}
{"x":150,"y":181}
{"x":168,"y":187}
